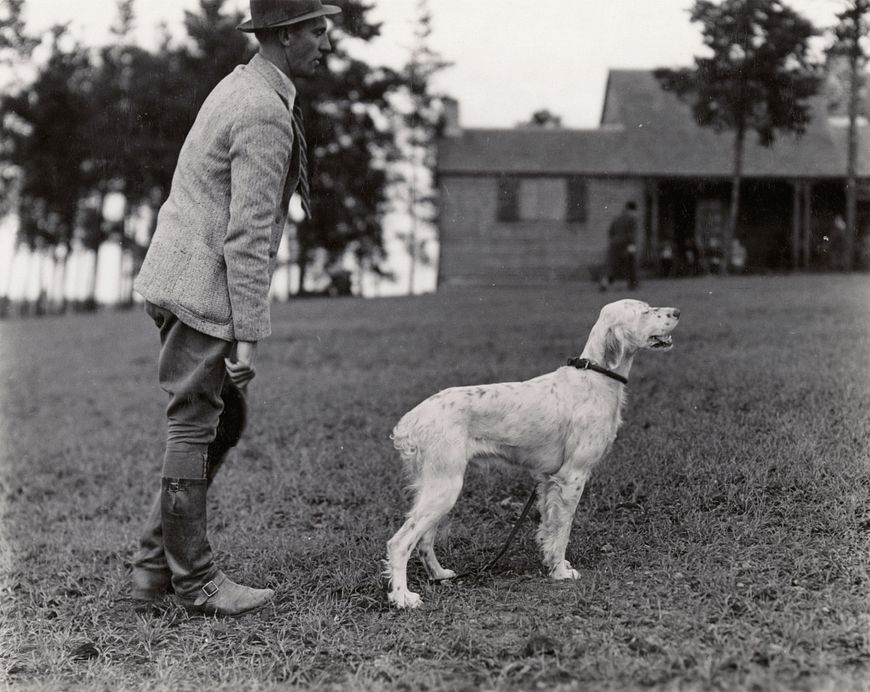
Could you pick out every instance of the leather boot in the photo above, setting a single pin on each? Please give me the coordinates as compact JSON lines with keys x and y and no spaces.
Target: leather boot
{"x":151,"y":577}
{"x":199,"y":585}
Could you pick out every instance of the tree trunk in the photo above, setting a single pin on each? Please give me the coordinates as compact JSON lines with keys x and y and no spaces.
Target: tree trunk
{"x":90,"y":302}
{"x":127,"y":269}
{"x":59,"y":288}
{"x":302,"y":263}
{"x":734,"y":210}
{"x":852,"y":179}
{"x":412,"y":209}
{"x":412,"y":255}
{"x":795,"y":225}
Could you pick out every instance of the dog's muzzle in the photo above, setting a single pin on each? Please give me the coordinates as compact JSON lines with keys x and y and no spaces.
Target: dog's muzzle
{"x":661,"y":341}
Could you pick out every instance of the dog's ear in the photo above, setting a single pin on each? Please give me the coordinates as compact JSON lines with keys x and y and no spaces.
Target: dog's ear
{"x":614,"y":346}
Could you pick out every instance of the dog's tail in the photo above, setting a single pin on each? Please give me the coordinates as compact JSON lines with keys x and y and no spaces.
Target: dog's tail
{"x":411,"y":437}
{"x":429,"y":445}
{"x":404,"y":442}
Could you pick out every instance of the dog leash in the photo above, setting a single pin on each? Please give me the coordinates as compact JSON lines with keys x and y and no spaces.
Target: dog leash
{"x":489,"y":565}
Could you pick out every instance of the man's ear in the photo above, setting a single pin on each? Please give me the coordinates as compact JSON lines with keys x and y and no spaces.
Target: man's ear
{"x":614,"y":347}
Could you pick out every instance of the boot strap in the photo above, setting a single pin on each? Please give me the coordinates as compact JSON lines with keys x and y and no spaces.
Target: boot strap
{"x":209,"y":589}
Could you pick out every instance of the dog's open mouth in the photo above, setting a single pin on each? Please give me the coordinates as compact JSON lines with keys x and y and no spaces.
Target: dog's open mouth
{"x":661,"y":341}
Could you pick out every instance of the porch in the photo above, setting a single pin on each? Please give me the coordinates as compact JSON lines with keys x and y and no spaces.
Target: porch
{"x":782,"y":225}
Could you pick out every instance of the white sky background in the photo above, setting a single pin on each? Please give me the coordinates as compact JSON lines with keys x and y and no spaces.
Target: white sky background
{"x":511,"y":57}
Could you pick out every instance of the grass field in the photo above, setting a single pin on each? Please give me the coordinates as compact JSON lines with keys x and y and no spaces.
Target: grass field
{"x":724,"y":544}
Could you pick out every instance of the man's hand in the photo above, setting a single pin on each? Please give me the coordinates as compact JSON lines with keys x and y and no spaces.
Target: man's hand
{"x":241,"y":371}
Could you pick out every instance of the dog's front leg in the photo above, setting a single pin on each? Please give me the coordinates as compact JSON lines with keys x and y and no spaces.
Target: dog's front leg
{"x":557,"y":501}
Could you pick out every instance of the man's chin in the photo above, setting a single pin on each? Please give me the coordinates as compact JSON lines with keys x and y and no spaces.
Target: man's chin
{"x":305,"y":74}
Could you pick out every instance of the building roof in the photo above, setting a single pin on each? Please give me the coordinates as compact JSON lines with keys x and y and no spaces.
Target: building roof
{"x":556,"y":151}
{"x":649,"y":132}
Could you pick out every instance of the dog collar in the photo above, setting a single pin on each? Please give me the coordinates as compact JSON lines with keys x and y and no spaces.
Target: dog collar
{"x":586,"y":364}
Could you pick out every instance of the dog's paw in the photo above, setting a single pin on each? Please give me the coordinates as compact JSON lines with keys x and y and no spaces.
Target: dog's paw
{"x":443,"y":574}
{"x":564,"y":571}
{"x":404,"y":599}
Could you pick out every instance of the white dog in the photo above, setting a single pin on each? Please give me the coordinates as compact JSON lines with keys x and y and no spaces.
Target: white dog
{"x":558,"y":426}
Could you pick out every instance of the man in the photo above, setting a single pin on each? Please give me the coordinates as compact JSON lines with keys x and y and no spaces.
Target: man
{"x":206,"y":281}
{"x":622,"y":248}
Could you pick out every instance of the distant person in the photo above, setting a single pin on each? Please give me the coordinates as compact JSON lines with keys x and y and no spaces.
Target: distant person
{"x":837,"y":243}
{"x":622,"y":249}
{"x":692,"y":259}
{"x":666,"y":259}
{"x":206,"y":281}
{"x":715,"y":255}
{"x":738,"y":256}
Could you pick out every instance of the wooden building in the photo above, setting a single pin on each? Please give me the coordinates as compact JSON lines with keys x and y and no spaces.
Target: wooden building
{"x":533,"y":204}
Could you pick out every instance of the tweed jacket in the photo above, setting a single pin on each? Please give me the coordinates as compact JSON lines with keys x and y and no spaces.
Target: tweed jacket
{"x":212,"y":256}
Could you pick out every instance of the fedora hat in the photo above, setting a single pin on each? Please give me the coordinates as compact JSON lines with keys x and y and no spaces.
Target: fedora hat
{"x":272,"y":14}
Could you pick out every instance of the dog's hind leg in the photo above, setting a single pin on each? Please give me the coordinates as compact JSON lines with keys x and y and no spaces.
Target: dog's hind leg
{"x":557,"y":501}
{"x":426,"y":553}
{"x":436,"y":497}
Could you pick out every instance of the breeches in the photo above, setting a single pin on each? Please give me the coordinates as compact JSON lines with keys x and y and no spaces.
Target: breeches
{"x":191,"y":370}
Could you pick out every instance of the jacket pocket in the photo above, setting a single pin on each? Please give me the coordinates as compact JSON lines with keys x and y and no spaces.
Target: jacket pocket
{"x":202,"y":289}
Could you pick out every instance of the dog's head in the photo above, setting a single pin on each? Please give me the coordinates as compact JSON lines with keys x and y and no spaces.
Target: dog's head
{"x":631,"y":325}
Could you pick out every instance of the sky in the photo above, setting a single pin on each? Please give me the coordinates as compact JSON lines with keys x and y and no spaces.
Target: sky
{"x":510,"y":57}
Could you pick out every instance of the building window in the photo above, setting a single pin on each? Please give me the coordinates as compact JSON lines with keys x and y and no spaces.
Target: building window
{"x":578,"y":199}
{"x":542,"y":198}
{"x":508,"y":198}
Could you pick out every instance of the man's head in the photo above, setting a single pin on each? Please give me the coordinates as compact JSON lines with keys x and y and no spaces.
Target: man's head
{"x":631,"y":206}
{"x":292,"y":33}
{"x":297,"y":50}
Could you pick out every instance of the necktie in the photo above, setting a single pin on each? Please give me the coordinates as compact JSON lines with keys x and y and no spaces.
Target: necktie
{"x":303,"y":188}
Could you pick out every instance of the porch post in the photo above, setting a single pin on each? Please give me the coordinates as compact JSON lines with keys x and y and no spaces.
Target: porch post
{"x":808,"y":217}
{"x":653,"y":251}
{"x":795,"y":223}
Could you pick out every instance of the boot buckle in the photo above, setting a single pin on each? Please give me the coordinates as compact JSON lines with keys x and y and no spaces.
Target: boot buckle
{"x":210,"y":589}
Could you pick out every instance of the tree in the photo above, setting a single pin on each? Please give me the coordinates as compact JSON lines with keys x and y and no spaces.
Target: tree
{"x":544,"y":118}
{"x":348,"y":146}
{"x":849,"y":37}
{"x":758,"y":77}
{"x":420,"y":114}
{"x":42,"y":127}
{"x":217,"y":48}
{"x":15,"y":43}
{"x":16,"y":47}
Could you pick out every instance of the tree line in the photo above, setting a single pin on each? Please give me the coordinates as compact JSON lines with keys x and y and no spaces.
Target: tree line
{"x":100,"y":120}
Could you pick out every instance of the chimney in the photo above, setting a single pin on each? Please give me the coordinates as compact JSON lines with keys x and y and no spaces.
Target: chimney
{"x":450,"y":116}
